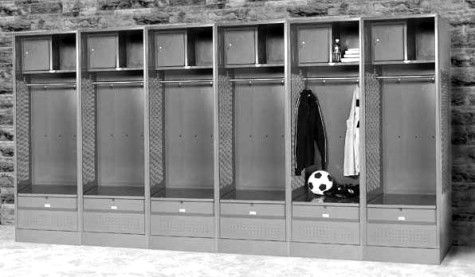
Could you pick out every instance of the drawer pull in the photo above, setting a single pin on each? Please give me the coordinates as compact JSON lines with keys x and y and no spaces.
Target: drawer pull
{"x":401,"y":218}
{"x":252,"y":212}
{"x":182,"y":210}
{"x":326,"y":215}
{"x":47,"y":205}
{"x":113,"y":207}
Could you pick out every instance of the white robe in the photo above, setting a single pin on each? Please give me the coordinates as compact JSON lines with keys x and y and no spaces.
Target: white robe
{"x":351,"y":164}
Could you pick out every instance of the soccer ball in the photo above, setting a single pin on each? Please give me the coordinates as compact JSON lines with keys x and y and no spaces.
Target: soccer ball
{"x":319,"y":182}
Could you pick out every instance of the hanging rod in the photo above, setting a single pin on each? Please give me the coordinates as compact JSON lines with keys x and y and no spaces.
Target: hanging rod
{"x":406,"y":77}
{"x":250,"y":80}
{"x":324,"y":79}
{"x":179,"y":82}
{"x":117,"y":82}
{"x":51,"y":84}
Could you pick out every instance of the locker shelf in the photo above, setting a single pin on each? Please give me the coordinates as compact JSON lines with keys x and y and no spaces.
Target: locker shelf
{"x":115,"y":69}
{"x":184,"y":193}
{"x":190,"y":67}
{"x":115,"y":191}
{"x":49,"y":189}
{"x":254,"y":65}
{"x":405,"y":62}
{"x":427,"y":201}
{"x":254,"y":195}
{"x":308,"y":198}
{"x":330,"y":64}
{"x":59,"y":71}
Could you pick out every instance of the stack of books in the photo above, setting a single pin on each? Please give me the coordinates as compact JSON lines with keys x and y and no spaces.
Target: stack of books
{"x":351,"y":55}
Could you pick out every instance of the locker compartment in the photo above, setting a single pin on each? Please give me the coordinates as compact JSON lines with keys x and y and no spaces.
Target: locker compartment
{"x":388,"y":41}
{"x":64,"y":52}
{"x":402,"y":235}
{"x":170,"y":48}
{"x":200,"y":46}
{"x":402,"y":215}
{"x":326,"y":231}
{"x":52,"y":220}
{"x":36,"y":54}
{"x":182,"y":207}
{"x":252,"y":210}
{"x":325,"y":212}
{"x":252,"y":228}
{"x":47,"y":202}
{"x":240,"y":46}
{"x":112,"y":204}
{"x":314,"y":43}
{"x":103,"y":51}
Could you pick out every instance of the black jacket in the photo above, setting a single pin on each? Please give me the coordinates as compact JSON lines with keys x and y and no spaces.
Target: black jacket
{"x":310,"y":131}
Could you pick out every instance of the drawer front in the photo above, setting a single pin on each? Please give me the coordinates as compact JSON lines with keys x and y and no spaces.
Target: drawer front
{"x":402,"y":215}
{"x":326,"y":232}
{"x":110,"y":204}
{"x":182,"y":226}
{"x":325,"y":212}
{"x":170,"y":49}
{"x":183,"y":207}
{"x":44,"y":202}
{"x":114,"y":222}
{"x":314,"y":44}
{"x":240,"y":46}
{"x":36,"y":54}
{"x":402,"y":235}
{"x":252,"y":228}
{"x":102,"y":51}
{"x":388,"y":41}
{"x":47,"y":220}
{"x":253,"y":210}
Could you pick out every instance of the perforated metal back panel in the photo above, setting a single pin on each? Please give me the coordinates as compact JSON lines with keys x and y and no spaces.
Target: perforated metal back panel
{"x":22,"y":136}
{"x":297,"y":86}
{"x":226,"y":133}
{"x":445,"y":129}
{"x":88,"y":110}
{"x":156,"y":98}
{"x":373,"y":132}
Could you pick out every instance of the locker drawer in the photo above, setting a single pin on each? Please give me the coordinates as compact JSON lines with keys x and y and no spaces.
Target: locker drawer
{"x":182,"y":225}
{"x":46,"y":202}
{"x":36,"y":54}
{"x":401,"y":215}
{"x":402,"y":235}
{"x":389,"y":41}
{"x":103,"y":51}
{"x":314,"y":44}
{"x":253,"y":210}
{"x":183,"y":207}
{"x":326,"y":231}
{"x":252,"y":228}
{"x":114,"y":222}
{"x":170,"y":49}
{"x":240,"y":46}
{"x":47,"y":220}
{"x":325,"y":212}
{"x":111,"y":204}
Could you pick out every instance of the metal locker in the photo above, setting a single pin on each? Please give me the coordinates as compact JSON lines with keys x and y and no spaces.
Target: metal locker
{"x":36,"y":54}
{"x":103,"y":51}
{"x":314,"y":44}
{"x":240,"y":46}
{"x":389,"y":41}
{"x":170,"y":49}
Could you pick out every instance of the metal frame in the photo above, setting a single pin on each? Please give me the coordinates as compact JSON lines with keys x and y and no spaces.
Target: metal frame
{"x":217,"y":244}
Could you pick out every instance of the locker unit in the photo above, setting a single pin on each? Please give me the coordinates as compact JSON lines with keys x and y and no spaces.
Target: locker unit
{"x":45,"y":118}
{"x":112,"y":127}
{"x":184,"y":137}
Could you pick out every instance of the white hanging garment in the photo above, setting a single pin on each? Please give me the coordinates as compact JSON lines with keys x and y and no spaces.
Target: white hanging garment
{"x":351,"y":164}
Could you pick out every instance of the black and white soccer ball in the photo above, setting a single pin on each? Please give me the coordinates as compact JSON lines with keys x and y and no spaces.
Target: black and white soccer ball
{"x":319,"y":182}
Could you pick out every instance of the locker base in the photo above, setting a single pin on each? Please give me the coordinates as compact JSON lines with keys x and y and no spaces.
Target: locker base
{"x":402,"y":255}
{"x":325,"y":251}
{"x":253,"y":247}
{"x":114,"y":240}
{"x":53,"y":237}
{"x":182,"y":244}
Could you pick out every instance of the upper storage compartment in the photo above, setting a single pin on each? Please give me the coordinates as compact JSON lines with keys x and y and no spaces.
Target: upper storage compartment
{"x":49,"y":53}
{"x":182,"y":48}
{"x":324,"y":43}
{"x":410,"y":40}
{"x":254,"y":46}
{"x":114,"y":51}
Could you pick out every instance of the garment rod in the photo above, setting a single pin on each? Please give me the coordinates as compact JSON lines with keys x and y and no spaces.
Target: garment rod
{"x":408,"y":77}
{"x":50,"y":84}
{"x":187,"y":81}
{"x":250,"y":80}
{"x":324,"y":79}
{"x":117,"y":82}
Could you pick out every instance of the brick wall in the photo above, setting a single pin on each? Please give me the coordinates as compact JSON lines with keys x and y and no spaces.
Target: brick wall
{"x":24,"y":15}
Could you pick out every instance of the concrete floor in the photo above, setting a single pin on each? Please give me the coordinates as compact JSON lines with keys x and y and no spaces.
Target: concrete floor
{"x":28,"y":259}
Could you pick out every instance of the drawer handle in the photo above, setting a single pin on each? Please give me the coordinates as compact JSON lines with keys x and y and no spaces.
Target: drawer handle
{"x":182,"y":210}
{"x":401,"y":218}
{"x":326,"y":215}
{"x":113,"y":207}
{"x":252,"y":212}
{"x":47,"y":205}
